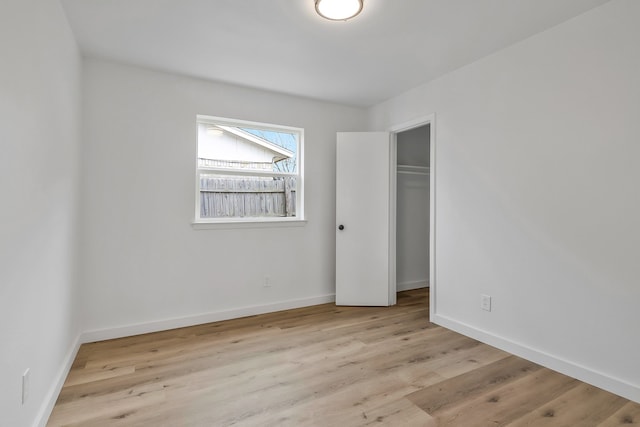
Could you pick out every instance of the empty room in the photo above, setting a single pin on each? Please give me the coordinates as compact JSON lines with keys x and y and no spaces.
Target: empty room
{"x":319,"y":213}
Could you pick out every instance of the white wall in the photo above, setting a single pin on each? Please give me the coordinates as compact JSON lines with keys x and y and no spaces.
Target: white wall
{"x":412,"y":211}
{"x":39,"y":110}
{"x":537,"y":199}
{"x":142,"y":260}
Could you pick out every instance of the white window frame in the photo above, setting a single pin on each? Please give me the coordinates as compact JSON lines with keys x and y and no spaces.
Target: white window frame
{"x":250,"y":222}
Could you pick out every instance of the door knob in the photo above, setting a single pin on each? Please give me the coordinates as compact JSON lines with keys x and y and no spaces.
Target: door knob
{"x":341,"y":227}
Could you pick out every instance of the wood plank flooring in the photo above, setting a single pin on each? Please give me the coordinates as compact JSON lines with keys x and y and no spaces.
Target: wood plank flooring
{"x":324,"y":366}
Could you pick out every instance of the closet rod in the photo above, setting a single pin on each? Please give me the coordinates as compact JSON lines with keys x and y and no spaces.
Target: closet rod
{"x":413,"y":173}
{"x":415,"y":170}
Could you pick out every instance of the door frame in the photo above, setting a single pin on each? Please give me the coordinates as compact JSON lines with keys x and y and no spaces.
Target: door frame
{"x":393,"y":171}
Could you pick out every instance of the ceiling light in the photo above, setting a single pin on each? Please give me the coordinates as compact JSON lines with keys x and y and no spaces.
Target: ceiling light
{"x":338,"y":10}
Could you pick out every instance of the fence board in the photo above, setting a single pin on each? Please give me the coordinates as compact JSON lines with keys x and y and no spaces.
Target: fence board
{"x":223,"y":197}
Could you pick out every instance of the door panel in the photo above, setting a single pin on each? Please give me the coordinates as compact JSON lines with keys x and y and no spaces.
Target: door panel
{"x":363,"y":209}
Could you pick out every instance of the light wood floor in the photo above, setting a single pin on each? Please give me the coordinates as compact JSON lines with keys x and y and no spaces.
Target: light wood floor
{"x":324,"y":366}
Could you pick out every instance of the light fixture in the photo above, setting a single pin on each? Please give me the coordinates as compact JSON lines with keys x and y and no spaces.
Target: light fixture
{"x":214,"y":131}
{"x":338,"y":10}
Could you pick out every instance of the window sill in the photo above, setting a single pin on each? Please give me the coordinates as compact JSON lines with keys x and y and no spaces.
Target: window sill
{"x":252,"y":223}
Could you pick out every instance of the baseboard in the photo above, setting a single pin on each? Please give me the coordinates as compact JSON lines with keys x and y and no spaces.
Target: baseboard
{"x":416,"y":284}
{"x":590,"y":376}
{"x":181,"y":322}
{"x":50,"y":399}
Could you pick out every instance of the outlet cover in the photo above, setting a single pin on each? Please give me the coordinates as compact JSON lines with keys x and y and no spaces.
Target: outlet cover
{"x":485,"y":302}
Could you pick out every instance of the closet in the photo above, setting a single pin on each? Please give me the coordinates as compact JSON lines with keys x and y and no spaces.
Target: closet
{"x":412,"y":209}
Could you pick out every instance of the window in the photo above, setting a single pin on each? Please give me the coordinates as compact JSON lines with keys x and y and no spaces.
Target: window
{"x":248,"y":172}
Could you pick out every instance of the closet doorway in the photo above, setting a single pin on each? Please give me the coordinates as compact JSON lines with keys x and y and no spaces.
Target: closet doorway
{"x":413,"y":207}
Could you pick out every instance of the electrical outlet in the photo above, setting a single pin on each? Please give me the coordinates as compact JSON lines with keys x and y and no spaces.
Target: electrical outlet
{"x":26,"y":379}
{"x":485,"y":302}
{"x":267,"y":282}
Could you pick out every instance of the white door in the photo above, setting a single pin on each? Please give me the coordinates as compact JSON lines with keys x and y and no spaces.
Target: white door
{"x":363,"y":219}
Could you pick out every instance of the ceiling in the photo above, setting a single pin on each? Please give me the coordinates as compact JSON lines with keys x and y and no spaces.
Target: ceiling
{"x":284,"y":46}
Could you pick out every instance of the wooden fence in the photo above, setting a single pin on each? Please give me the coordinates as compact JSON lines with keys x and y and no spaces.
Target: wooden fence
{"x":247,"y":197}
